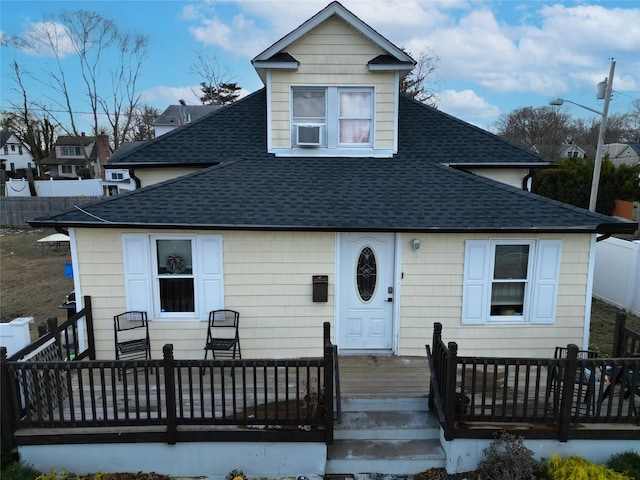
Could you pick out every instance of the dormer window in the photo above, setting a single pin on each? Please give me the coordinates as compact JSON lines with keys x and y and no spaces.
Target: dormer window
{"x":356,"y":114}
{"x":332,"y":117}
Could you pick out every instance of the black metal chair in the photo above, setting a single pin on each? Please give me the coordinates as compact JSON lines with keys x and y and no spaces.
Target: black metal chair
{"x":132,"y":341}
{"x":585,"y":379}
{"x":223,"y":339}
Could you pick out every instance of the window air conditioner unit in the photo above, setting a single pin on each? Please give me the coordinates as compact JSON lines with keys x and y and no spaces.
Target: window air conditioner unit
{"x":310,"y":134}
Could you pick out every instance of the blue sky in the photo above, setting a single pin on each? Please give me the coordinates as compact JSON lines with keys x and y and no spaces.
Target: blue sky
{"x":495,"y":56}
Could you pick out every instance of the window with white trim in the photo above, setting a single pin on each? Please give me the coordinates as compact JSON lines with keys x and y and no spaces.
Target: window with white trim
{"x":173,"y":277}
{"x":67,"y":169}
{"x":332,"y":117}
{"x":510,"y":281}
{"x":70,"y":151}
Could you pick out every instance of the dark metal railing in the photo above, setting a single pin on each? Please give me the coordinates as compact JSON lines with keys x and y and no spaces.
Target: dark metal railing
{"x":626,"y":342}
{"x":170,"y":400}
{"x":550,"y":396}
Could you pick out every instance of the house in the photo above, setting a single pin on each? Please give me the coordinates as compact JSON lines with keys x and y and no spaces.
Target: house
{"x":176,"y":116}
{"x":622,"y":153}
{"x":72,"y":153}
{"x":118,"y":180}
{"x":327,"y":196}
{"x":14,"y":153}
{"x":571,"y":150}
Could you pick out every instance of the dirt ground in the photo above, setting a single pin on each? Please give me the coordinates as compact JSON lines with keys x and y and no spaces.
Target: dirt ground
{"x":33,"y":284}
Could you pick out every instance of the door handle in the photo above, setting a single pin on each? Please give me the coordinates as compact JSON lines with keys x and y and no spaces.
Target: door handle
{"x":389,"y":299}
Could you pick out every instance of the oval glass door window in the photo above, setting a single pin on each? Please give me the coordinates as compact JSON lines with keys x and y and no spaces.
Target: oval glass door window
{"x":366,"y":274}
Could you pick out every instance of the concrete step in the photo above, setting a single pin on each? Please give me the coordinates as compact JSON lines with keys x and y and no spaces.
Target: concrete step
{"x":384,"y":404}
{"x":387,"y":425}
{"x":399,"y":457}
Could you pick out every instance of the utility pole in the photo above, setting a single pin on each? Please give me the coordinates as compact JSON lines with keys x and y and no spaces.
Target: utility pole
{"x":603,"y":128}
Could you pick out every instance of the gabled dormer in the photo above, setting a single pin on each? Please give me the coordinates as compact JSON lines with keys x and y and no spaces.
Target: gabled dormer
{"x":332,"y":88}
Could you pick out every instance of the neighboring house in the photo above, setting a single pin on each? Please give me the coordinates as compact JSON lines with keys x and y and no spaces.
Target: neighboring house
{"x":329,"y":180}
{"x":14,"y":153}
{"x":623,"y":153}
{"x":572,"y":150}
{"x":118,"y":180}
{"x":148,"y":172}
{"x":178,"y":115}
{"x":71,"y":154}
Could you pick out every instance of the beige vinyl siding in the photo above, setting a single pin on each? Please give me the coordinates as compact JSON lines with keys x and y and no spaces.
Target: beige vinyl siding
{"x":432,"y":292}
{"x":150,"y":176}
{"x":510,"y":176}
{"x":333,"y":54}
{"x":267,"y":278}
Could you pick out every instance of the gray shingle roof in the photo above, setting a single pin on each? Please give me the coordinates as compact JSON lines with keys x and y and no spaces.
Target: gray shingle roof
{"x":233,"y":131}
{"x":336,"y":194}
{"x":413,"y":191}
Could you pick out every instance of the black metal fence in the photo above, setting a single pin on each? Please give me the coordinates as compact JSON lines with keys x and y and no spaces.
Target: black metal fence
{"x":540,"y":397}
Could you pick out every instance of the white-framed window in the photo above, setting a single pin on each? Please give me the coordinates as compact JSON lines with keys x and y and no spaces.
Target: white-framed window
{"x":67,"y":169}
{"x":19,"y":149}
{"x":173,"y":276}
{"x":70,"y":151}
{"x":332,"y":117}
{"x":510,"y":281}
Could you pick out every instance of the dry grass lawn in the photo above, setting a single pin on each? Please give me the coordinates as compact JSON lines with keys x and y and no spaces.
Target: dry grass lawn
{"x":32,"y":279}
{"x":33,"y":284}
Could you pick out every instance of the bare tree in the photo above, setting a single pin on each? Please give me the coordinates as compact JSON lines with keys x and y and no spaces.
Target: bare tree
{"x":122,"y":104}
{"x":544,"y":128}
{"x":418,"y":84}
{"x":142,"y":123}
{"x":216,"y":85}
{"x":93,"y":41}
{"x":24,"y":120}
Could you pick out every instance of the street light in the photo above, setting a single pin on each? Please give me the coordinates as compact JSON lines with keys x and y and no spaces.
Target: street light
{"x":603,"y":127}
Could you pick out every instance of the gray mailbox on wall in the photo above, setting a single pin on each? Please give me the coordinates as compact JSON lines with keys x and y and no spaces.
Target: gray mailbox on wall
{"x":320,"y":288}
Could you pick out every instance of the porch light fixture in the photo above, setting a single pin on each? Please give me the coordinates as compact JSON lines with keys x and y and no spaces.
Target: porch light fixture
{"x":606,"y":86}
{"x":415,"y":243}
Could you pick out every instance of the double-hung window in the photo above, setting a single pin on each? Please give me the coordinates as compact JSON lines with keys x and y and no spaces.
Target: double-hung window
{"x":332,"y":117}
{"x":510,"y":281}
{"x":173,"y":277}
{"x":355,"y":117}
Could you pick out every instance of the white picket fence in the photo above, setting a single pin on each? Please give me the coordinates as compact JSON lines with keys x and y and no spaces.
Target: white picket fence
{"x":617,"y":273}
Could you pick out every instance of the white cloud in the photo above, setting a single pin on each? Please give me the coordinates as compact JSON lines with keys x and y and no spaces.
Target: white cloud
{"x":468,"y":105}
{"x":47,"y":37}
{"x":163,"y":96}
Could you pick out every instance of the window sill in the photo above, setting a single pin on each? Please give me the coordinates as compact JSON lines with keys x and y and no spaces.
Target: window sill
{"x":332,"y":152}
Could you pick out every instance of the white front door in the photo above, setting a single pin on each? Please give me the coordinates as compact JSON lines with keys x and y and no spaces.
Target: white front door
{"x":366,"y":291}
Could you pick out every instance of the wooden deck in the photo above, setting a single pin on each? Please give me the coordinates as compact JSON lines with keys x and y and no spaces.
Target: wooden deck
{"x":373,"y":376}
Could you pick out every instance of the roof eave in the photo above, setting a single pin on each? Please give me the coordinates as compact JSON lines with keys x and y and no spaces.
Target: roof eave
{"x":115,"y":166}
{"x":463,"y":166}
{"x":603,"y":228}
{"x":275,"y":65}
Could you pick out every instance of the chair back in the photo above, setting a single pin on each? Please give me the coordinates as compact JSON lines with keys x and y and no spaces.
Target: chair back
{"x":561,"y":352}
{"x":130,"y":320}
{"x":224,"y":319}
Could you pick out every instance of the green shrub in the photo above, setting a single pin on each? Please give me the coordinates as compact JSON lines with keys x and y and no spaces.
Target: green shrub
{"x":577,"y":468}
{"x":627,"y":462}
{"x":19,"y":471}
{"x":507,"y":458}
